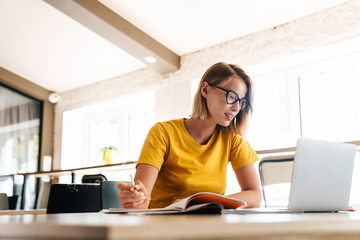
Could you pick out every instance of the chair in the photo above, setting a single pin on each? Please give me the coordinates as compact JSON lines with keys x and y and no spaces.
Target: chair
{"x":4,"y":201}
{"x":13,"y":202}
{"x":275,"y":170}
{"x":95,"y":178}
{"x":74,"y":198}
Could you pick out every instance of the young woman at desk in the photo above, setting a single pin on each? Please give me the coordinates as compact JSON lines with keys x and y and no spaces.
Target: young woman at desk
{"x":185,"y":156}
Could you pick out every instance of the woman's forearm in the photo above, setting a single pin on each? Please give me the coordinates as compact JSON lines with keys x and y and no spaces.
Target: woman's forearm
{"x":251,"y":197}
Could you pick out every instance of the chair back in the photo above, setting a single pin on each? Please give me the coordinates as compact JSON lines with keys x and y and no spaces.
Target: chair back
{"x":275,"y":170}
{"x":94,"y":178}
{"x":74,"y":198}
{"x":13,"y":202}
{"x":4,"y":201}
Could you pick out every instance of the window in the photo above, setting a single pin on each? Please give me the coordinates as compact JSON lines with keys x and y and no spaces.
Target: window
{"x":122,"y":123}
{"x":311,"y":95}
{"x":329,"y":102}
{"x":20,"y":121}
{"x":274,"y":123}
{"x":317,"y":99}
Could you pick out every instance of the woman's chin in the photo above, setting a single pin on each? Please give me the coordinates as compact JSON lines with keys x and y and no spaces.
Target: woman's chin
{"x":224,"y":123}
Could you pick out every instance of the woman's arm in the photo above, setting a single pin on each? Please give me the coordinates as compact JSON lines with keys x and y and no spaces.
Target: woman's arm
{"x":250,"y":186}
{"x":144,"y":181}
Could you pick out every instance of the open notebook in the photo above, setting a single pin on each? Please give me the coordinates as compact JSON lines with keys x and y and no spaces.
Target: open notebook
{"x":199,"y":203}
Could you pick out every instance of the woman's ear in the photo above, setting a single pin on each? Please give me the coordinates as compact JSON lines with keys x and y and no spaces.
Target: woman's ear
{"x":204,"y":89}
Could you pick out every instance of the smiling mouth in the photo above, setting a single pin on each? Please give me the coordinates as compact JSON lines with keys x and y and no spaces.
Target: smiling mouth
{"x":229,"y":116}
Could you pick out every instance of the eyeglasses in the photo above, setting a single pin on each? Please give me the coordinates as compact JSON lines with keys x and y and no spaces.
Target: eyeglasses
{"x":232,"y":98}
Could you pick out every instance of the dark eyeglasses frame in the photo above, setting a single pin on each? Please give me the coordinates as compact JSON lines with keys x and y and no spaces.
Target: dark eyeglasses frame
{"x":238,"y":99}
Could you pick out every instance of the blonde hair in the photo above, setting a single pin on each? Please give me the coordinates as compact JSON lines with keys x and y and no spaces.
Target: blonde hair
{"x":216,"y":74}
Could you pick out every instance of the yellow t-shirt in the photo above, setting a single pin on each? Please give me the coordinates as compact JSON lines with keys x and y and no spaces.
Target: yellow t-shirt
{"x":187,"y":167}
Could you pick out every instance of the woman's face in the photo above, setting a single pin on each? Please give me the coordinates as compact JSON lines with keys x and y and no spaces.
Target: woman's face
{"x":219,"y":110}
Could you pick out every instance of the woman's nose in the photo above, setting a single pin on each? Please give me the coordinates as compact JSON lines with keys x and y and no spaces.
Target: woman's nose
{"x":235,"y":107}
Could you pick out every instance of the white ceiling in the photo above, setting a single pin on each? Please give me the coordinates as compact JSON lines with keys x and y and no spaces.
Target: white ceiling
{"x":42,"y":44}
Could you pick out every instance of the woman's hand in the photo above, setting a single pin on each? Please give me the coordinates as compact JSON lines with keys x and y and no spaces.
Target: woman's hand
{"x":133,"y":196}
{"x":138,"y":196}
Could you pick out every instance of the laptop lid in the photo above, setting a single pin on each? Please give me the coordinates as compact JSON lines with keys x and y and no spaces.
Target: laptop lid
{"x":322,"y":175}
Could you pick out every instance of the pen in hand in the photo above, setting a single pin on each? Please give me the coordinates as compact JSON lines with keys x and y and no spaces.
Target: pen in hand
{"x":133,"y":188}
{"x":132,"y":183}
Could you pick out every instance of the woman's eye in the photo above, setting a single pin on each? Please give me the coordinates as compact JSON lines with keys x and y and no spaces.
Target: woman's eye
{"x":231,"y":96}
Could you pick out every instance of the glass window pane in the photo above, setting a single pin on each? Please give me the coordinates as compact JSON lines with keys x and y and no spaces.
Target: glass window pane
{"x":20,"y":120}
{"x":329,"y":104}
{"x":122,"y":123}
{"x":139,"y":125}
{"x":275,"y":119}
{"x":103,"y":132}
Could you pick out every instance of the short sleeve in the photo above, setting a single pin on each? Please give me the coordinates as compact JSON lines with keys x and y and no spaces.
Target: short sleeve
{"x":155,"y":148}
{"x":241,"y":153}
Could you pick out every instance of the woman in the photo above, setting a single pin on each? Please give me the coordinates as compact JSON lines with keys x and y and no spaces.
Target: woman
{"x":184,"y":156}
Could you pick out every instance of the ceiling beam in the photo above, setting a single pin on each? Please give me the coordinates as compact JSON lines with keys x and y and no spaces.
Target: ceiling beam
{"x":23,"y":85}
{"x":112,"y":27}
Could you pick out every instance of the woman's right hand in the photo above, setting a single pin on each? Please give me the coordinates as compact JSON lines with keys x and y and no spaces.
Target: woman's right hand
{"x":133,"y":196}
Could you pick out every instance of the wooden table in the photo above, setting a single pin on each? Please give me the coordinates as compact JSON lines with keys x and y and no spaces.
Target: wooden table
{"x":22,"y":212}
{"x":228,"y":226}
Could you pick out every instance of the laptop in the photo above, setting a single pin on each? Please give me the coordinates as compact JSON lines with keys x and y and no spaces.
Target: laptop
{"x":322,"y":175}
{"x":321,"y":178}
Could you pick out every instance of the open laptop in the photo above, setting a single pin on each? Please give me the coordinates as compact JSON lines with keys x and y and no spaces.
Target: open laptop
{"x":321,"y":178}
{"x":322,"y":175}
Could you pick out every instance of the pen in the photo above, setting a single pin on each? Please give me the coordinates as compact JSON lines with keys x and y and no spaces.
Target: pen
{"x":133,"y":189}
{"x":132,"y":183}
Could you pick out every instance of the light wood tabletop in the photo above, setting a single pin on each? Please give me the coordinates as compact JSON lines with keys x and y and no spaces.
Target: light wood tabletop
{"x":22,"y":212}
{"x":344,"y":225}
